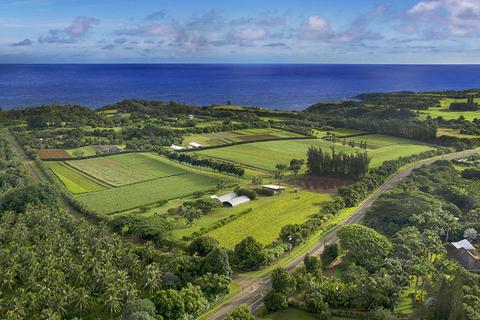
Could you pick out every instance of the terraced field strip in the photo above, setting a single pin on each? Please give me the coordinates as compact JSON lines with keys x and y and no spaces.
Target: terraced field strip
{"x":268,"y":216}
{"x":227,"y":137}
{"x":125,"y":169}
{"x":146,"y":193}
{"x":73,"y":180}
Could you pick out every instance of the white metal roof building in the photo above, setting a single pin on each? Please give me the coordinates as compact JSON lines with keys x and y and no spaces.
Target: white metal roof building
{"x":175,"y":147}
{"x":273,"y":187}
{"x":236,"y":201}
{"x":195,"y":145}
{"x":231,"y":199}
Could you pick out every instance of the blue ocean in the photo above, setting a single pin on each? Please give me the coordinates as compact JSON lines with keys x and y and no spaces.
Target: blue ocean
{"x":278,"y":86}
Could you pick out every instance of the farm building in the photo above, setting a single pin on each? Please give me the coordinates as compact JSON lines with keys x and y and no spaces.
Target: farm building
{"x":465,"y":253}
{"x":107,"y":149}
{"x":272,"y":187}
{"x":176,"y":148}
{"x":194,"y":145}
{"x":231,"y":199}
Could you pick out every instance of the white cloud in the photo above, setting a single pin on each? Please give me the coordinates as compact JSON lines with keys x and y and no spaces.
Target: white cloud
{"x":425,"y":6}
{"x":249,"y":34}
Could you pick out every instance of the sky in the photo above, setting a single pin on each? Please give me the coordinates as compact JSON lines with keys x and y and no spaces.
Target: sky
{"x":246,"y":31}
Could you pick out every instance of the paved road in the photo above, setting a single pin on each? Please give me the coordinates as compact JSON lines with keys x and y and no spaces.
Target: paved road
{"x":254,"y":289}
{"x":35,"y":173}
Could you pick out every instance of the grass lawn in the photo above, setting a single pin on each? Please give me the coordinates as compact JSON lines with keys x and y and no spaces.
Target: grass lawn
{"x":85,"y":151}
{"x":135,"y":195}
{"x":219,"y":138}
{"x":292,"y":313}
{"x":123,"y":169}
{"x":405,"y":305}
{"x":444,"y":111}
{"x":269,"y":215}
{"x":73,"y":180}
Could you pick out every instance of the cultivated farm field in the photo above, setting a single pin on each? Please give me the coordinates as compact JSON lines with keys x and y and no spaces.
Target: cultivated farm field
{"x":74,"y":180}
{"x":268,"y":216}
{"x":256,"y":134}
{"x":123,"y":169}
{"x":265,"y":155}
{"x":144,"y":193}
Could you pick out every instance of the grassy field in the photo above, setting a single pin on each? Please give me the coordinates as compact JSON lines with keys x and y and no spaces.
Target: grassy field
{"x":123,"y":169}
{"x":135,"y":195}
{"x":73,"y":180}
{"x":269,"y":215}
{"x":394,"y":152}
{"x":219,"y":138}
{"x":292,"y":313}
{"x":265,"y":155}
{"x":405,"y":305}
{"x":444,"y":111}
{"x":84,"y":151}
{"x":382,"y":140}
{"x":454,"y":133}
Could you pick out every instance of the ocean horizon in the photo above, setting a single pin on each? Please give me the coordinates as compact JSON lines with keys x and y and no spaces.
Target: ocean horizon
{"x":274,"y":86}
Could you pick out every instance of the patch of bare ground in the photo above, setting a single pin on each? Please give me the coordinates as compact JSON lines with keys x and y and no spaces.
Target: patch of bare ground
{"x":328,"y":185}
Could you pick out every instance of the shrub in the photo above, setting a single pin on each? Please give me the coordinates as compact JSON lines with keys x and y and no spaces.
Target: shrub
{"x":275,"y":301}
{"x":245,"y":192}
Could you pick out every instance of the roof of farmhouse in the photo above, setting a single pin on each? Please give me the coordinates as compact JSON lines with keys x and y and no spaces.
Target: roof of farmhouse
{"x":465,"y":244}
{"x":273,"y":187}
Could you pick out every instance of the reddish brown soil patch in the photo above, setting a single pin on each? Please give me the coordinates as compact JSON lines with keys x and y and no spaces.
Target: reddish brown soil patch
{"x":328,"y":185}
{"x":52,"y":153}
{"x":256,"y":137}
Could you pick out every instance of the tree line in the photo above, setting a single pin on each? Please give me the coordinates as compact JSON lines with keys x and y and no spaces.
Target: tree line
{"x":423,"y":131}
{"x":194,"y":160}
{"x":353,"y":165}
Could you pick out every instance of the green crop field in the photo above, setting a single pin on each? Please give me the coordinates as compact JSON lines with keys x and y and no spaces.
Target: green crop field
{"x":135,"y":195}
{"x":265,"y":155}
{"x":394,"y":152}
{"x":123,"y":169}
{"x":444,"y":111}
{"x":219,"y":138}
{"x":73,"y":180}
{"x":269,"y":215}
